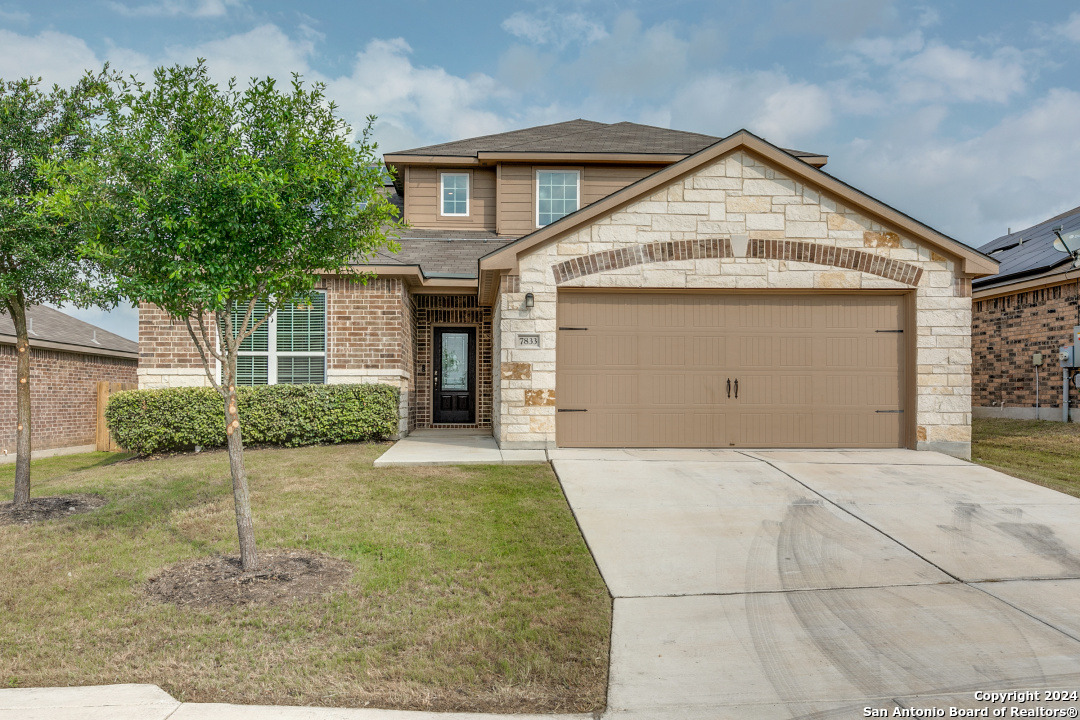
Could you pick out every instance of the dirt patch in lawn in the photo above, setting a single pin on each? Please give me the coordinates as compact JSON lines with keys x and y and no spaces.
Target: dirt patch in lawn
{"x":283,"y":577}
{"x":48,"y":508}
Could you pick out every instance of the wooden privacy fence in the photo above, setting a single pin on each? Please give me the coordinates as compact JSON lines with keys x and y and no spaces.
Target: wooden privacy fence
{"x":104,"y":390}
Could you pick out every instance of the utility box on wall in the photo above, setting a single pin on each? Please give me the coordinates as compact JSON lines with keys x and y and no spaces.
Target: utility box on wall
{"x":1070,"y":354}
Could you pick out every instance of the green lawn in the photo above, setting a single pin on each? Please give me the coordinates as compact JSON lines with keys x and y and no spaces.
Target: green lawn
{"x":473,"y":589}
{"x":1040,"y":451}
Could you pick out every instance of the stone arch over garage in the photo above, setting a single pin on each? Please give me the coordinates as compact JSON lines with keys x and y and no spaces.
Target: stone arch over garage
{"x":794,"y":250}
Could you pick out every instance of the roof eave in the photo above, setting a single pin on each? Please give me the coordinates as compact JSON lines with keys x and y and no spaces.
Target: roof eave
{"x":415,"y":277}
{"x":72,"y":347}
{"x":971,"y":261}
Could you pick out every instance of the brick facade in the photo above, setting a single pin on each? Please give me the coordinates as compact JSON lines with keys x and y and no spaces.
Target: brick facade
{"x":1006,"y":331}
{"x":63,"y":395}
{"x":371,"y":331}
{"x":790,"y":237}
{"x":433,"y":310}
{"x":167,"y":357}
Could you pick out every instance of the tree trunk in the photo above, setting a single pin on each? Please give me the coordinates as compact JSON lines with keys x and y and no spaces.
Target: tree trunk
{"x":17,"y":308}
{"x":241,"y":500}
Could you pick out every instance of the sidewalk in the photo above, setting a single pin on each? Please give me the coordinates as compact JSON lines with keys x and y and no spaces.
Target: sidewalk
{"x":149,"y":702}
{"x":454,"y":447}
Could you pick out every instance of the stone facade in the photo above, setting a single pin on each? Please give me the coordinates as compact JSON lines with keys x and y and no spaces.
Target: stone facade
{"x":737,"y":224}
{"x":63,"y":396}
{"x":1006,"y":331}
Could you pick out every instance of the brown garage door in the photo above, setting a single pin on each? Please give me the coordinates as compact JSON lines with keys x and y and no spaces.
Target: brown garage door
{"x":729,"y":370}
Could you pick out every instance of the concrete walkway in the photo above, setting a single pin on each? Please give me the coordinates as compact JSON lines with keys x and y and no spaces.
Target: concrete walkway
{"x":149,"y":702}
{"x":454,"y":447}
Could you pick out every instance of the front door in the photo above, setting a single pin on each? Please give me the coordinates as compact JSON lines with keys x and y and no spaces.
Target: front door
{"x":455,"y":376}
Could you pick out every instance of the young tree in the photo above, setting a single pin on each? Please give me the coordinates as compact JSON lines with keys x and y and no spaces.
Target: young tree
{"x":208,"y":200}
{"x":39,"y":260}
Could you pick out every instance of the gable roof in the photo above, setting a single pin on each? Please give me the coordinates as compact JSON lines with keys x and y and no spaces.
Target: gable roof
{"x":574,"y":137}
{"x":972,"y":261}
{"x":1029,"y":252}
{"x":55,"y":330}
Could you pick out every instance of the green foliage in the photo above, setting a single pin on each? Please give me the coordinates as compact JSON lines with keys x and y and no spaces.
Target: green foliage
{"x":39,"y":258}
{"x":200,"y":198}
{"x":174,"y":419}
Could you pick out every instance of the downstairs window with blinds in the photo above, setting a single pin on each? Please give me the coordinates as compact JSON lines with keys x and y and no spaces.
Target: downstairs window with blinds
{"x":289,"y":349}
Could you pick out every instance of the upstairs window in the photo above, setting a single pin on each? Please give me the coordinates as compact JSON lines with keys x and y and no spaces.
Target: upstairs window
{"x":556,"y":195}
{"x":455,"y":193}
{"x":289,"y":349}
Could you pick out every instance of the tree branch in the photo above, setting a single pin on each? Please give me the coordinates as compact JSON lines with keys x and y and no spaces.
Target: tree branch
{"x":202,"y":353}
{"x":212,"y":347}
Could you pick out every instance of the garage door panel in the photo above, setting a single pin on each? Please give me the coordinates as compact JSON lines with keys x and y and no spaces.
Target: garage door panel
{"x":652,"y":370}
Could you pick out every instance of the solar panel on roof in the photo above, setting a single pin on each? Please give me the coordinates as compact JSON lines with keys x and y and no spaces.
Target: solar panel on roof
{"x":1030,"y":250}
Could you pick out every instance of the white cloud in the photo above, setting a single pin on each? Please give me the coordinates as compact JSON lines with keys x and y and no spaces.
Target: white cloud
{"x":13,"y":16}
{"x":426,"y":104}
{"x":1071,"y":28}
{"x":262,"y":51}
{"x":1017,"y":173}
{"x":176,"y":8}
{"x":557,"y":29}
{"x":57,"y":57}
{"x":767,"y":103}
{"x":889,"y":50}
{"x":940,"y":72}
{"x":633,"y":60}
{"x":841,"y":20}
{"x":928,"y":16}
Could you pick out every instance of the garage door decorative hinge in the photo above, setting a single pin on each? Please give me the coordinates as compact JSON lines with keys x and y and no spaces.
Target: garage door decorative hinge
{"x":890,"y":331}
{"x":888,"y":411}
{"x":573,"y":328}
{"x":571,"y":410}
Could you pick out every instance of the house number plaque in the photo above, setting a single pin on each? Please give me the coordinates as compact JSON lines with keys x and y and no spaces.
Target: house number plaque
{"x":528,"y":341}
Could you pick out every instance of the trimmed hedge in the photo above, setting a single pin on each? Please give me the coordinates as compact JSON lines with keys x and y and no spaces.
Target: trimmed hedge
{"x":175,"y":419}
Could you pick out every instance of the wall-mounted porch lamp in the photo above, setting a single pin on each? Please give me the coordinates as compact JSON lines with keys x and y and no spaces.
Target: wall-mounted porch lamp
{"x":529,"y":300}
{"x":1068,"y":243}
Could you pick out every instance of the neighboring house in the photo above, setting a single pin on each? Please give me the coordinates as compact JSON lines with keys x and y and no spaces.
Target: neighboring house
{"x":1029,"y":307}
{"x":67,"y":359}
{"x":591,"y":284}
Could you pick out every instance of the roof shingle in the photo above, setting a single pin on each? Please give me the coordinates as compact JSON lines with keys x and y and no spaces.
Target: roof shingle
{"x":580,"y":136}
{"x":51,"y":325}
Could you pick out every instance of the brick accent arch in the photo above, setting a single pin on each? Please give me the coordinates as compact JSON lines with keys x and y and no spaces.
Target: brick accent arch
{"x":796,"y":250}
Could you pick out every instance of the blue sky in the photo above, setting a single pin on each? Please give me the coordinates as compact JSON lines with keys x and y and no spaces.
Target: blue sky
{"x":965,"y":115}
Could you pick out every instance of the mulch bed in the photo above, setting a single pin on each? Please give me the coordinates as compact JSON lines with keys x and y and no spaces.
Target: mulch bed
{"x":48,"y":508}
{"x":283,"y":576}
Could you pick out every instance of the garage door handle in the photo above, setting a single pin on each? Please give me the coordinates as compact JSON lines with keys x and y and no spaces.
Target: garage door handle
{"x":729,"y":387}
{"x":736,"y":388}
{"x":572,"y":410}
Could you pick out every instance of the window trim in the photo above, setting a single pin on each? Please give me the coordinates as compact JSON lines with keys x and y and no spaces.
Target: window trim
{"x":271,"y":353}
{"x":536,"y":191}
{"x":468,"y":193}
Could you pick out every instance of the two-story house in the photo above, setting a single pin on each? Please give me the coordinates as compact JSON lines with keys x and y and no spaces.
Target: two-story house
{"x":586,"y":284}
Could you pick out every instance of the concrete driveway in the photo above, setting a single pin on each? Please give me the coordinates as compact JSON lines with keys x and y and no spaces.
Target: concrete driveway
{"x":819,"y":583}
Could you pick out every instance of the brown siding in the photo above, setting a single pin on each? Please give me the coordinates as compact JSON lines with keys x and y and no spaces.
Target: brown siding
{"x":602,"y":180}
{"x":422,"y":200}
{"x":63,"y":395}
{"x":517,"y":188}
{"x":432,"y":310}
{"x":1006,"y":331}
